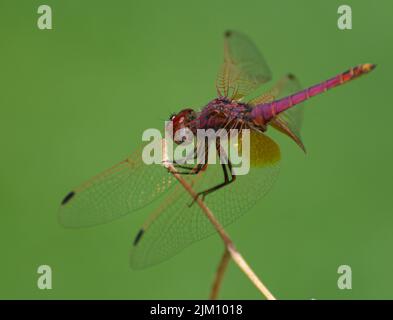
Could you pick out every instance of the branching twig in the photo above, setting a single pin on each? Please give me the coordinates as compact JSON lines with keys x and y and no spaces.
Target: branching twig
{"x":230,"y":247}
{"x":220,"y":274}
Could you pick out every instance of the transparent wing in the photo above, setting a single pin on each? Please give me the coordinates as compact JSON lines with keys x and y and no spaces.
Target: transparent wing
{"x":244,"y":67}
{"x":175,"y":224}
{"x":122,"y":189}
{"x":290,"y":121}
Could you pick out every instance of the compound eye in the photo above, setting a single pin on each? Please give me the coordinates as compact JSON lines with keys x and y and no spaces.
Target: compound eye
{"x":181,"y":120}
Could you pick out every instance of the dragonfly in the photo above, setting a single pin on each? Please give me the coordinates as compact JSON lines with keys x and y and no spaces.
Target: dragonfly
{"x":175,"y":224}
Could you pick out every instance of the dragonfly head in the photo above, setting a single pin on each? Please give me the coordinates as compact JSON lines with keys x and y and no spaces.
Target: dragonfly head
{"x":182,"y":120}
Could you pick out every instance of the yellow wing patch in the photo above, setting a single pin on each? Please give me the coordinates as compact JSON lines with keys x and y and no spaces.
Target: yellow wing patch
{"x":263,"y":150}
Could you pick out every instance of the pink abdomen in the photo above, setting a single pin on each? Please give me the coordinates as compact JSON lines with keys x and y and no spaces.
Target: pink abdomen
{"x":263,"y":113}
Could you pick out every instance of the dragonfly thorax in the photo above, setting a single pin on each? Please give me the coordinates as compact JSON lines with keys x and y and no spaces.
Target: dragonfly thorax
{"x":222,"y":113}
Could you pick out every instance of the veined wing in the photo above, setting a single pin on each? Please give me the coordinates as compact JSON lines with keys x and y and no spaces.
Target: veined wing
{"x":175,"y":224}
{"x":122,"y":189}
{"x":290,"y":121}
{"x":244,"y":67}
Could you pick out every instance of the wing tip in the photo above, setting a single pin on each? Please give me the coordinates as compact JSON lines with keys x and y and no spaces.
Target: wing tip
{"x":67,"y":198}
{"x":228,"y":33}
{"x":138,"y":236}
{"x":291,"y":76}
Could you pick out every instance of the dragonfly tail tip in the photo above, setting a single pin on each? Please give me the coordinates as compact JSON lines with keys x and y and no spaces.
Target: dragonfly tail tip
{"x":367,"y":67}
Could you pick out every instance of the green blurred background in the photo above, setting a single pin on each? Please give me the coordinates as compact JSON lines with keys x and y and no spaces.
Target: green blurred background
{"x":75,"y":100}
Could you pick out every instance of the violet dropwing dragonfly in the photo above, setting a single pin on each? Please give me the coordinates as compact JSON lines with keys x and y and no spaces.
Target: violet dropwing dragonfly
{"x":175,"y":224}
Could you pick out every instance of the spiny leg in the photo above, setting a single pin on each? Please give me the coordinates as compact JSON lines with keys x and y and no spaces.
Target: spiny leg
{"x":196,"y":169}
{"x":182,"y":166}
{"x":223,"y":184}
{"x":229,"y":164}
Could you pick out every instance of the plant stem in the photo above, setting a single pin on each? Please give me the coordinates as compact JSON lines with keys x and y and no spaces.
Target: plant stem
{"x":230,"y":247}
{"x":220,"y":274}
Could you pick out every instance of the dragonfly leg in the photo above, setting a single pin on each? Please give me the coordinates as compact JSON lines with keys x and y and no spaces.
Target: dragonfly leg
{"x":196,"y":169}
{"x":182,"y":166}
{"x":227,"y":180}
{"x":192,"y":170}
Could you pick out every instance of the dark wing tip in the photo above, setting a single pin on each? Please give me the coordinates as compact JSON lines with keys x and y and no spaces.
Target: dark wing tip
{"x":228,"y":33}
{"x":291,"y":76}
{"x":67,"y":198}
{"x":138,"y":236}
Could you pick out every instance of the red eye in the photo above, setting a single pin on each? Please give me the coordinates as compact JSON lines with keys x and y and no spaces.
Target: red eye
{"x":182,"y":119}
